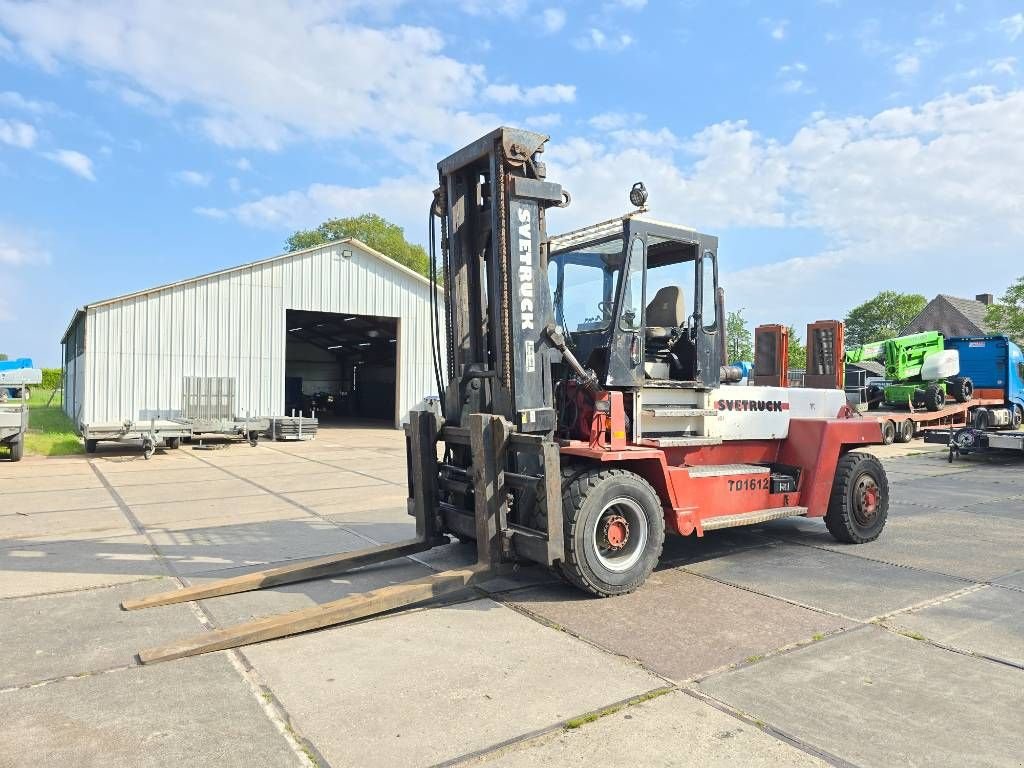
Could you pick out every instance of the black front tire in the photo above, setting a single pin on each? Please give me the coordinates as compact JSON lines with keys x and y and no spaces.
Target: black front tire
{"x":934,"y":397}
{"x":90,"y":446}
{"x":17,"y":449}
{"x":962,"y":389}
{"x":604,"y":497}
{"x":859,"y":504}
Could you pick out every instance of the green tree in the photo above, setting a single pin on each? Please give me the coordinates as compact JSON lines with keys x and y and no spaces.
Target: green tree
{"x":1008,"y":315}
{"x":797,"y":350}
{"x":2,"y":356}
{"x":376,"y":231}
{"x":738,"y":338}
{"x":883,"y":317}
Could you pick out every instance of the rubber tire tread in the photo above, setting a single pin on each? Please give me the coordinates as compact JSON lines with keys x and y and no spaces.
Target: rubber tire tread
{"x":17,"y":449}
{"x":961,"y":388}
{"x":934,"y":398}
{"x":580,"y":485}
{"x":839,"y":518}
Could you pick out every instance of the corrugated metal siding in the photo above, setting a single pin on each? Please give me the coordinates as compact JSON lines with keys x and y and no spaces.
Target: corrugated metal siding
{"x":138,"y":349}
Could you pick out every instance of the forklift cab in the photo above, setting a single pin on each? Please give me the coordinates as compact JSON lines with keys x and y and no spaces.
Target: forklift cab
{"x":637,"y":300}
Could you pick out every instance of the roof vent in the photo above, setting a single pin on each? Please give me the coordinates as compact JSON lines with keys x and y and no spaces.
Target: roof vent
{"x":985,"y":298}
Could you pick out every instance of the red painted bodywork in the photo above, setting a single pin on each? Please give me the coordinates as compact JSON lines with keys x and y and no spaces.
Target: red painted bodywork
{"x":813,"y":445}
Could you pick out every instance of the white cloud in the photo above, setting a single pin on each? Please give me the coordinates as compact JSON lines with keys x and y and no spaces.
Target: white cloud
{"x":243,"y":164}
{"x":629,"y":5}
{"x":19,"y":248}
{"x":543,"y":122}
{"x":17,"y":134}
{"x":75,"y":162}
{"x":595,"y":39}
{"x":793,"y":82}
{"x":1013,"y":26}
{"x":552,"y":19}
{"x":1005,"y":66}
{"x":928,"y":183}
{"x":193,"y":178}
{"x":14,"y":100}
{"x":400,"y":200}
{"x":539,"y":94}
{"x":234,"y":185}
{"x":211,"y":213}
{"x":263,"y":74}
{"x":489,"y":7}
{"x":777,"y":28}
{"x":611,"y":121}
{"x":906,"y":65}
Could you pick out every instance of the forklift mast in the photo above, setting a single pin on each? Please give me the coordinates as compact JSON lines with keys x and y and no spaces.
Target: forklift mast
{"x":491,"y":201}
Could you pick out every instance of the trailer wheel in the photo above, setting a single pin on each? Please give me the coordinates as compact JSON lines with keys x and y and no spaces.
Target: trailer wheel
{"x":961,"y":388}
{"x":982,"y":418}
{"x":90,"y":446}
{"x":17,"y":449}
{"x":934,"y":397}
{"x":888,"y":432}
{"x":173,"y":443}
{"x":254,"y":438}
{"x":614,"y":531}
{"x":906,"y":431}
{"x":859,"y":504}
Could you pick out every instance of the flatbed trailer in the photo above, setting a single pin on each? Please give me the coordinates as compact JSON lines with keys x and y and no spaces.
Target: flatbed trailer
{"x":969,"y":440}
{"x":168,"y":433}
{"x":153,"y":434}
{"x":901,"y":425}
{"x":13,"y":425}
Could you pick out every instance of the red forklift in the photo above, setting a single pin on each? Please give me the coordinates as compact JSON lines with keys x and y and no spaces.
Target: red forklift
{"x":586,"y":407}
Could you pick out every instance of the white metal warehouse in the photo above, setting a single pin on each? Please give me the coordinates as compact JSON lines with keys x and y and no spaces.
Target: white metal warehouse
{"x":339,"y":318}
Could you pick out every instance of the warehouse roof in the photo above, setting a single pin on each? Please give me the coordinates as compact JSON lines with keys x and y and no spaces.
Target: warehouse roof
{"x":291,"y":254}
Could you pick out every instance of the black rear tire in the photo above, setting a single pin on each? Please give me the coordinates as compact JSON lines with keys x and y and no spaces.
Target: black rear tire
{"x":934,"y":397}
{"x":982,"y":419}
{"x":859,"y":504}
{"x":17,"y":449}
{"x":888,"y":432}
{"x":614,"y":531}
{"x":173,"y":443}
{"x":90,"y":446}
{"x":961,"y":388}
{"x":905,"y":431}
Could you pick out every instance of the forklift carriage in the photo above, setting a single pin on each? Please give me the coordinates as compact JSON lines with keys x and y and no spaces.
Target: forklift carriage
{"x":586,"y":407}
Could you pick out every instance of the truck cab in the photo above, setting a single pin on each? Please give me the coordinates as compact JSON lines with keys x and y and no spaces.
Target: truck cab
{"x":996,"y":366}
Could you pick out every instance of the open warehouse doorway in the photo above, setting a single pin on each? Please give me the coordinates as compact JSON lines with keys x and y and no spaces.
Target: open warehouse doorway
{"x":343,"y":366}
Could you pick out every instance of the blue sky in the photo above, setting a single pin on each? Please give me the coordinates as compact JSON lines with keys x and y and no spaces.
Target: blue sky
{"x":837,"y":148}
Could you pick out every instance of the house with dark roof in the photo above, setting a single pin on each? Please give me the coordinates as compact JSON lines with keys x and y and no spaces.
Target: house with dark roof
{"x":953,"y":316}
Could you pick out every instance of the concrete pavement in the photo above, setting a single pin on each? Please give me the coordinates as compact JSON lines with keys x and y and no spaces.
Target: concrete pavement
{"x":766,"y":646}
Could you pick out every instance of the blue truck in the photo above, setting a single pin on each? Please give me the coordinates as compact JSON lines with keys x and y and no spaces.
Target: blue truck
{"x":996,"y":366}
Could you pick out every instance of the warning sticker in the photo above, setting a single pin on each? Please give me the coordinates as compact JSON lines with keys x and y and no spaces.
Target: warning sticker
{"x":531,"y":361}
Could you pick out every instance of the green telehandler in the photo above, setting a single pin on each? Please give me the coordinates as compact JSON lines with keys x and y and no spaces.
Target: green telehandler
{"x":919,"y":371}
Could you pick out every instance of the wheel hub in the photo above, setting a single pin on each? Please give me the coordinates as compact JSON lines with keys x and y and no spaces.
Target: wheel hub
{"x":866,"y":498}
{"x":616,"y":531}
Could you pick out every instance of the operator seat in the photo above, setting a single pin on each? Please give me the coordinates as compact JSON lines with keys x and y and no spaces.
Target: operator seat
{"x":665,"y":314}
